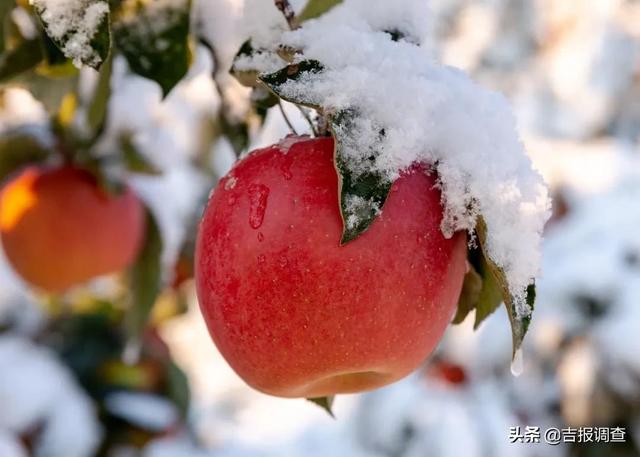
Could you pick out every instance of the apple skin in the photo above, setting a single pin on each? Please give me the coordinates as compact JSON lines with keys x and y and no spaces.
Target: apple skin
{"x":296,"y":314}
{"x":59,"y":229}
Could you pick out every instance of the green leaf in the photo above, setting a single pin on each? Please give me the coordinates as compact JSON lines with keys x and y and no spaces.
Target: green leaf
{"x":246,"y":77}
{"x":325,"y":403}
{"x":316,"y":8}
{"x":274,"y":81}
{"x":155,"y":40}
{"x":134,"y":160}
{"x":178,"y":388}
{"x":145,"y":279}
{"x":469,"y":295}
{"x":485,"y":287}
{"x":84,"y":36}
{"x":362,"y":194}
{"x":24,"y":56}
{"x":519,"y":325}
{"x":97,"y":109}
{"x":19,"y":148}
{"x":6,"y":6}
{"x":261,"y":100}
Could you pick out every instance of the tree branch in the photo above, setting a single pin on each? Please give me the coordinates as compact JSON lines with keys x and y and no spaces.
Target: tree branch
{"x":287,"y":11}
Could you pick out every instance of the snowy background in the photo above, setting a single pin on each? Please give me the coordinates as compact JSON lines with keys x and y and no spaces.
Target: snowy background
{"x":571,"y":70}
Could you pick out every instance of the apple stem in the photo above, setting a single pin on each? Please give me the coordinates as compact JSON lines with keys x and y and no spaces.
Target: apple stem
{"x":287,"y":11}
{"x":305,"y":114}
{"x":286,"y":118}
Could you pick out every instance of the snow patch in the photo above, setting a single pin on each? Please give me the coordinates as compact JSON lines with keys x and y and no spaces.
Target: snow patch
{"x":410,"y":109}
{"x":74,"y":23}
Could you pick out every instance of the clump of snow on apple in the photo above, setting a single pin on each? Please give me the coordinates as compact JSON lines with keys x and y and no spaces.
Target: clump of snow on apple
{"x":75,"y":23}
{"x":355,"y":206}
{"x":409,"y":108}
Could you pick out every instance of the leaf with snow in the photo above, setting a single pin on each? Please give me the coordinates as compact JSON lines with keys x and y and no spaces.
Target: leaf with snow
{"x":363,"y":190}
{"x":278,"y":80}
{"x":154,"y":38}
{"x":250,"y":62}
{"x":80,"y":28}
{"x":519,"y":311}
{"x":316,"y":8}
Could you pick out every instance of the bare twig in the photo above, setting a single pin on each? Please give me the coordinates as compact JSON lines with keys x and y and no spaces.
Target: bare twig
{"x":286,"y":118}
{"x":305,"y":114}
{"x":287,"y":11}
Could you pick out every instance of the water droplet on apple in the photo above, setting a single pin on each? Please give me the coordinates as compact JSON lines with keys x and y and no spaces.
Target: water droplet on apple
{"x":260,"y":236}
{"x":517,"y":364}
{"x":258,"y":195}
{"x":283,"y":261}
{"x":262,"y":258}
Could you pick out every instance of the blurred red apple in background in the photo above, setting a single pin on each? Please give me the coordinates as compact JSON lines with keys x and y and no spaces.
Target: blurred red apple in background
{"x":59,"y":228}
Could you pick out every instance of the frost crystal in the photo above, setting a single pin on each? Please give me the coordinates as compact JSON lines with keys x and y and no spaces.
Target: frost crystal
{"x":412,"y":109}
{"x":74,"y":23}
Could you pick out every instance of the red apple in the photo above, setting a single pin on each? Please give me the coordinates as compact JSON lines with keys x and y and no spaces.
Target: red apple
{"x":298,"y":315}
{"x":59,"y":228}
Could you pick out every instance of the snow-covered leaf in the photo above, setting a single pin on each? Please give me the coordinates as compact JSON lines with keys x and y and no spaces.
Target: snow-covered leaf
{"x":485,"y":287}
{"x":80,"y":28}
{"x":154,"y":38}
{"x":519,"y":321}
{"x":246,"y":77}
{"x":362,"y":192}
{"x":315,"y":8}
{"x":145,"y":279}
{"x":294,"y":72}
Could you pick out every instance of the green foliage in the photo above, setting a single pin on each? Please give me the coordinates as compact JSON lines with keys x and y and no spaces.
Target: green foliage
{"x":145,"y":279}
{"x":97,"y":109}
{"x":485,"y":287}
{"x":19,"y":148}
{"x":155,"y":41}
{"x":248,"y":78}
{"x":325,"y":403}
{"x":23,"y":56}
{"x":316,"y":8}
{"x":133,"y":159}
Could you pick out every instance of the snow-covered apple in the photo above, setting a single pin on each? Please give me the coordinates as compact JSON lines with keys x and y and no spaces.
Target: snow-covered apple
{"x":293,"y":311}
{"x":59,"y":228}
